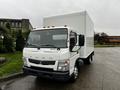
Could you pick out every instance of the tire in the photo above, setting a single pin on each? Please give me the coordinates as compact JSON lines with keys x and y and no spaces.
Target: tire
{"x":89,"y":60}
{"x":75,"y":74}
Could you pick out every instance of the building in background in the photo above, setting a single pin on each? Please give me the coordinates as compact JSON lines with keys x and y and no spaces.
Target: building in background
{"x":17,"y":24}
{"x":112,"y":39}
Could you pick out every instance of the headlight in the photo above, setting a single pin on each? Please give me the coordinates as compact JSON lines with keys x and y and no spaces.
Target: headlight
{"x":25,"y":61}
{"x":63,"y":65}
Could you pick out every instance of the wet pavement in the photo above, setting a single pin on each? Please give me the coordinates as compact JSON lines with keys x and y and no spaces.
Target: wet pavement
{"x":102,"y":74}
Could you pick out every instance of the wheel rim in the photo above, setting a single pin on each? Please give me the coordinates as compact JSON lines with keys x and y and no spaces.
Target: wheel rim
{"x":75,"y":72}
{"x":90,"y":59}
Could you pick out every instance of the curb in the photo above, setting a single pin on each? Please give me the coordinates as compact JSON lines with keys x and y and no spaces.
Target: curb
{"x":13,"y":76}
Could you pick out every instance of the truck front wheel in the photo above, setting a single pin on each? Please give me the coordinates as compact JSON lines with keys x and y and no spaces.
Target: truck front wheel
{"x":75,"y":74}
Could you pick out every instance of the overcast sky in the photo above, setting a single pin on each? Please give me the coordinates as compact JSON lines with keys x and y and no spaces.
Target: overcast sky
{"x":104,"y":13}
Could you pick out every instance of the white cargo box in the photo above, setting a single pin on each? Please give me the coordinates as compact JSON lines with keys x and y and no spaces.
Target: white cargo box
{"x":80,"y":23}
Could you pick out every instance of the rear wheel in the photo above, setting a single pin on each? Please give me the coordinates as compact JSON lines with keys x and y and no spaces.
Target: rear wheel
{"x":89,"y":60}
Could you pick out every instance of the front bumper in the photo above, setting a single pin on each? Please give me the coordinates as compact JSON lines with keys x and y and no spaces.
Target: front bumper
{"x":46,"y":73}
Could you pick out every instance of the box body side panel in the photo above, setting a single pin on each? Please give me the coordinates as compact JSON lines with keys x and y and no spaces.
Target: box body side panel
{"x":79,"y":23}
{"x":89,"y":36}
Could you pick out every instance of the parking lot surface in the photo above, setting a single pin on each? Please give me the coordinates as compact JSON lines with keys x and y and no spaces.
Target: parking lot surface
{"x":102,"y":74}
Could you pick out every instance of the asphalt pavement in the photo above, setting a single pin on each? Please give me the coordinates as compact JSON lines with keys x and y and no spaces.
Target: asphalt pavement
{"x":102,"y":74}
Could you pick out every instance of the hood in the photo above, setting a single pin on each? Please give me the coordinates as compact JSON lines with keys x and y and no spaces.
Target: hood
{"x":46,"y":53}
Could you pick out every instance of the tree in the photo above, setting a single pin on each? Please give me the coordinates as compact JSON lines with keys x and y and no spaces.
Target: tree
{"x":104,"y":34}
{"x":3,"y":31}
{"x":96,"y":37}
{"x":19,"y":41}
{"x":8,"y":43}
{"x":25,"y":34}
{"x":7,"y":40}
{"x":99,"y":38}
{"x":102,"y":38}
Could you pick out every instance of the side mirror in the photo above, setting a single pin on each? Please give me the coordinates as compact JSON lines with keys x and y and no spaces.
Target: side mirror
{"x":81,"y":40}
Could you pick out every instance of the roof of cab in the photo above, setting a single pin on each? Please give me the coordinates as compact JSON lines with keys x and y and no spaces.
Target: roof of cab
{"x":52,"y":27}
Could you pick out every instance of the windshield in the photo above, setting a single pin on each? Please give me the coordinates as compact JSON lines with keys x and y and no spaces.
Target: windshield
{"x":52,"y":38}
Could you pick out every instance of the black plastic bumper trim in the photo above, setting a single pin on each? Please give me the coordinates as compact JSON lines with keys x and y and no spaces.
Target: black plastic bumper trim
{"x":47,"y":74}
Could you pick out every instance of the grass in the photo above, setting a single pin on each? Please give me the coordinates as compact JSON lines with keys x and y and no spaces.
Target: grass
{"x":13,"y":65}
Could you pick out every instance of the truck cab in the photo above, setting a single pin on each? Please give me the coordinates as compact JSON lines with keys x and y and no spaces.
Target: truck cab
{"x":52,"y":52}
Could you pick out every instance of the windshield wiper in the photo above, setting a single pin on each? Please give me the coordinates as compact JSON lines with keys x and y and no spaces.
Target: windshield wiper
{"x":36,"y":46}
{"x":53,"y":46}
{"x":49,"y":45}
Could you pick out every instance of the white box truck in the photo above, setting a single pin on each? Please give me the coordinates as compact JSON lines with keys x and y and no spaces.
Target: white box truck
{"x":56,"y":50}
